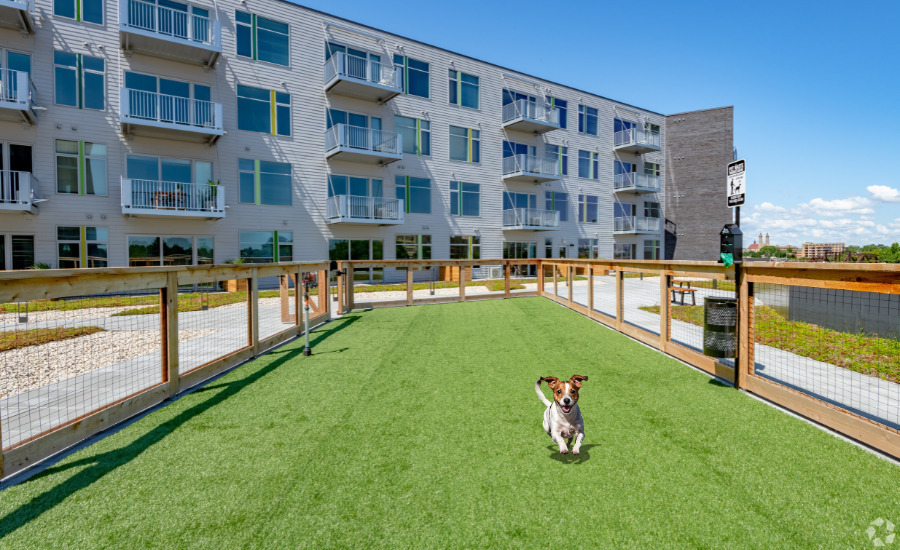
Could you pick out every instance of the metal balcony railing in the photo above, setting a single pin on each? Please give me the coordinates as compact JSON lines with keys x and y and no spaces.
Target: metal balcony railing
{"x":631,"y":180}
{"x":345,"y":65}
{"x":637,"y":136}
{"x":352,"y":207}
{"x":162,"y":108}
{"x":171,"y":23}
{"x":17,"y":87}
{"x":547,"y":166}
{"x":17,"y":189}
{"x":523,"y":108}
{"x":634,"y":223}
{"x":155,"y":195}
{"x":366,"y":139}
{"x":531,"y":217}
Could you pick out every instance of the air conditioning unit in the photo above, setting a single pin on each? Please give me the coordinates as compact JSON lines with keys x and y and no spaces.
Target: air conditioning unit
{"x":495,"y":273}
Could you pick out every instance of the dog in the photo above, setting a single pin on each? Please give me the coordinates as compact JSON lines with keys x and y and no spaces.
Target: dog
{"x":562,"y":419}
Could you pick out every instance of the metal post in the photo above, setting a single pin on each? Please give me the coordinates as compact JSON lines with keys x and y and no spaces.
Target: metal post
{"x":306,"y":351}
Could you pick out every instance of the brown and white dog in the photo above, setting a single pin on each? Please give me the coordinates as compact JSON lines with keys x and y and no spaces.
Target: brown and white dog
{"x":562,"y":419}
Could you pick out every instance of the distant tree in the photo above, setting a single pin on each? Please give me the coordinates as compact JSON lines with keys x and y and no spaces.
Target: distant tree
{"x":873,"y":247}
{"x":853,"y":248}
{"x":769,"y":251}
{"x":890,"y":254}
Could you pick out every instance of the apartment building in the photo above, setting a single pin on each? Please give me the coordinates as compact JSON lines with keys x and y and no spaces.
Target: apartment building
{"x":158,"y":132}
{"x":818,"y":250}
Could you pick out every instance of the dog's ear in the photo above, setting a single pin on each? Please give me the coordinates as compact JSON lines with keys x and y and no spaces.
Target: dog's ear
{"x":577,"y":379}
{"x":551,"y":381}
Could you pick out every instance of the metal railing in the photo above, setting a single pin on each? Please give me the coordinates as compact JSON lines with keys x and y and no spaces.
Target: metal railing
{"x":345,"y":65}
{"x":631,"y":180}
{"x":166,"y":195}
{"x":623,"y":223}
{"x":17,"y":87}
{"x":171,"y":23}
{"x":149,"y":106}
{"x":531,"y":217}
{"x":17,"y":188}
{"x":352,"y":207}
{"x":367,"y":139}
{"x":637,"y":136}
{"x":548,"y":166}
{"x":523,"y":108}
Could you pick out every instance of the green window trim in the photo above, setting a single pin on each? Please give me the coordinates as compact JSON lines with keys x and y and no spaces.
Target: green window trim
{"x":81,"y":170}
{"x":473,"y":144}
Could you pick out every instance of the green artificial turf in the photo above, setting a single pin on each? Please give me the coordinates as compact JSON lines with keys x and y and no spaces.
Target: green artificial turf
{"x":419,"y":428}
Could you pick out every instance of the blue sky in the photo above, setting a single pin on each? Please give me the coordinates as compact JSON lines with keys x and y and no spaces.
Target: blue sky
{"x":815,"y":87}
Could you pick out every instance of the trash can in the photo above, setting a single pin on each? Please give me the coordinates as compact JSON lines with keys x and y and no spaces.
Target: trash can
{"x":720,"y":327}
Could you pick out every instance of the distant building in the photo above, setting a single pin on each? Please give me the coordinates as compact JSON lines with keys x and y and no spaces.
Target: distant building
{"x":815,"y":250}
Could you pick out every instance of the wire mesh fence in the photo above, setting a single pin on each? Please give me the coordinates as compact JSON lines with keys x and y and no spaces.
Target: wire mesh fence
{"x":839,"y":346}
{"x":687,"y":297}
{"x":640,"y":295}
{"x":523,"y":278}
{"x":64,"y":358}
{"x":605,"y":292}
{"x":272,"y":319}
{"x":218,"y":313}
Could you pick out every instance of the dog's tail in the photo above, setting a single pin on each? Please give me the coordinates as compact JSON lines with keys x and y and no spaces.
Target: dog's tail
{"x":537,"y":388}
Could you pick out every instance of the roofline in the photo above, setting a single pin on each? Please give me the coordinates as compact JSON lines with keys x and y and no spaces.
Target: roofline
{"x":702,"y":110}
{"x":363,"y":25}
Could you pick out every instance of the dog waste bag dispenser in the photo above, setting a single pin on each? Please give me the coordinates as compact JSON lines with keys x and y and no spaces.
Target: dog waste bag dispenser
{"x":731,"y":242}
{"x":719,"y":327}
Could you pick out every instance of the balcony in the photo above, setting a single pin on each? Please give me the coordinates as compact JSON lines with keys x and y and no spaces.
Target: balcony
{"x":635,"y":183}
{"x":17,"y":96}
{"x":531,"y":117}
{"x":530,"y":169}
{"x":161,"y":31}
{"x":362,"y":78}
{"x":364,"y":210}
{"x":18,"y":192}
{"x":166,"y":199}
{"x":170,"y":117}
{"x":635,"y":225}
{"x":530,"y":219}
{"x":365,"y":145}
{"x":637,"y":141}
{"x":18,"y":15}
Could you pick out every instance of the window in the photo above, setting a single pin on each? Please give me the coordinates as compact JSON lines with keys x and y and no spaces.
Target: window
{"x":80,"y":80}
{"x":169,"y":100}
{"x":266,"y":111}
{"x":463,"y":89}
{"x":416,"y":134}
{"x":513,"y":149}
{"x":519,"y":200}
{"x":651,"y":209}
{"x":265,"y":182}
{"x":170,"y":250}
{"x":415,"y":75}
{"x":589,"y":248}
{"x":465,"y":247}
{"x":261,"y":38}
{"x":155,"y":169}
{"x":623,"y":252}
{"x":588,"y":208}
{"x":336,"y":116}
{"x":651,"y":169}
{"x":548,"y":247}
{"x":651,"y":249}
{"x":465,"y":199}
{"x":587,"y":120}
{"x":465,"y":144}
{"x":90,"y":11}
{"x":82,"y":247}
{"x":80,"y":167}
{"x":258,"y":247}
{"x":558,"y":202}
{"x":515,"y":250}
{"x":588,"y":165}
{"x":357,"y":187}
{"x":413,"y":247}
{"x":563,"y":108}
{"x":416,"y":192}
{"x":17,"y":252}
{"x":343,"y":249}
{"x":561,"y":155}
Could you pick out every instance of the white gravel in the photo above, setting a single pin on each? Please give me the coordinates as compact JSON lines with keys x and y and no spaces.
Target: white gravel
{"x":10,"y":321}
{"x":32,"y":367}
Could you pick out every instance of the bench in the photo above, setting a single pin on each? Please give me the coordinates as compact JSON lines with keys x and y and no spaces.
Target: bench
{"x":683,"y":291}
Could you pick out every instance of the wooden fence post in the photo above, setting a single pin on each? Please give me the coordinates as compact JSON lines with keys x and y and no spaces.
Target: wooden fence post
{"x":590,"y":297}
{"x":620,"y":297}
{"x":409,"y":286}
{"x":506,"y":270}
{"x":570,"y":271}
{"x":664,"y":311}
{"x":462,"y":283}
{"x":348,"y":279}
{"x":284,"y":296}
{"x":339,"y":288}
{"x":170,"y":333}
{"x":253,"y":311}
{"x":745,"y":334}
{"x":322,"y":299}
{"x":540,"y":277}
{"x":555,"y":280}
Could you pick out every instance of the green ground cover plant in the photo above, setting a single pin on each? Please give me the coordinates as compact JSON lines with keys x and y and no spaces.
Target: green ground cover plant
{"x":13,"y":339}
{"x":418,"y":427}
{"x":864,"y":353}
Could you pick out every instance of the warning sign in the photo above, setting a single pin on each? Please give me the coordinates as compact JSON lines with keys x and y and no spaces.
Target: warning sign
{"x":736,"y":186}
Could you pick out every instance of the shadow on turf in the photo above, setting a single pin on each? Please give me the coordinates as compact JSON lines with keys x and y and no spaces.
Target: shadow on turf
{"x":584,"y":456}
{"x":104,"y":463}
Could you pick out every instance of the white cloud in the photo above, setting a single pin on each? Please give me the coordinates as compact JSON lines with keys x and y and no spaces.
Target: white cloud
{"x":838,"y":207}
{"x":769,"y":207}
{"x":884,"y":193}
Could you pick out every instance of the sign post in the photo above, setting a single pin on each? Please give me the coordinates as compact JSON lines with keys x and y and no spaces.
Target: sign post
{"x":736,"y":191}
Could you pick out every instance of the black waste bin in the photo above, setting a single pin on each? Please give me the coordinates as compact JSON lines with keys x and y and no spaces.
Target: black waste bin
{"x":720,"y":327}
